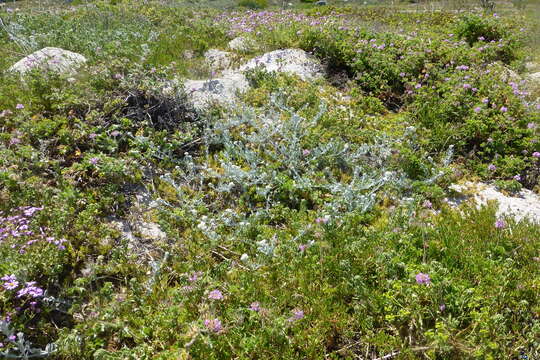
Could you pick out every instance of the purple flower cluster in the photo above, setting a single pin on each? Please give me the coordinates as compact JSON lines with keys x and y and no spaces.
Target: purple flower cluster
{"x":213,"y":325}
{"x":297,"y":314}
{"x":500,"y":224}
{"x":215,"y":295}
{"x":257,"y":21}
{"x":17,"y":230}
{"x":423,"y":279}
{"x":10,"y":282}
{"x":28,"y":290}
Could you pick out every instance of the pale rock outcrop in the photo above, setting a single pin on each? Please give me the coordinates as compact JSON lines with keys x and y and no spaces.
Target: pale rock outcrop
{"x":242,"y":44}
{"x":218,"y":60}
{"x":50,"y":59}
{"x":223,"y":90}
{"x":532,"y":67}
{"x":534,"y":79}
{"x":291,"y":61}
{"x":523,"y":205}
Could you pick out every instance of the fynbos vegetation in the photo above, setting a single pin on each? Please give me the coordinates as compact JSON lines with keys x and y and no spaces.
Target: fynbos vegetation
{"x":326,"y":201}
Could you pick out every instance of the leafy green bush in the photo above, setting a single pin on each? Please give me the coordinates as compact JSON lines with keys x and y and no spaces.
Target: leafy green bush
{"x":253,"y":4}
{"x":473,"y":28}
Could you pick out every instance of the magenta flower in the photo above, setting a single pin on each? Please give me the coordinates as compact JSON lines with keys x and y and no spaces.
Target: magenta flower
{"x":536,"y":154}
{"x":297,"y":314}
{"x":215,"y":295}
{"x":504,"y":109}
{"x":195,"y":276}
{"x":422,"y":279}
{"x":321,"y":220}
{"x":94,"y":160}
{"x":500,"y":224}
{"x":255,"y":306}
{"x":213,"y":325}
{"x":427,"y":204}
{"x":492,"y":167}
{"x":31,"y":290}
{"x":306,"y":152}
{"x":531,"y":125}
{"x":10,"y":282}
{"x":14,"y":141}
{"x":92,"y":135}
{"x":115,"y":133}
{"x":477,"y":109}
{"x":19,"y":107}
{"x":517,"y":177}
{"x":442,"y":307}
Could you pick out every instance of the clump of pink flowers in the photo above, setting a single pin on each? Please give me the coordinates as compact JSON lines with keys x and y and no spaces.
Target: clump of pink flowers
{"x":423,"y":279}
{"x":17,"y":229}
{"x":215,"y":295}
{"x":213,"y":325}
{"x":297,"y":314}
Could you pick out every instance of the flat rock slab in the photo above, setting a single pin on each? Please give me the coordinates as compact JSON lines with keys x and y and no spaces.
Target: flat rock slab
{"x":220,"y":91}
{"x":292,"y":61}
{"x":523,"y":205}
{"x":50,"y":59}
{"x":218,"y":60}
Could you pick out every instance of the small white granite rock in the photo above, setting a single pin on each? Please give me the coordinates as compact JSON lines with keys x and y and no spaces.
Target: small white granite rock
{"x":532,"y":67}
{"x":534,"y":78}
{"x":292,"y":61}
{"x":242,"y":44}
{"x":523,"y":205}
{"x":221,"y":91}
{"x":218,"y":60}
{"x":50,"y":59}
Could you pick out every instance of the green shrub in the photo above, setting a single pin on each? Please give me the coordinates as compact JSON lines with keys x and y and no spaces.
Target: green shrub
{"x":253,"y":4}
{"x":472,"y":28}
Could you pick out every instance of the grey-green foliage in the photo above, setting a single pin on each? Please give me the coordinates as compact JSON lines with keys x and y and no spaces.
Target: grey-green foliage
{"x":263,"y":153}
{"x":22,"y":348}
